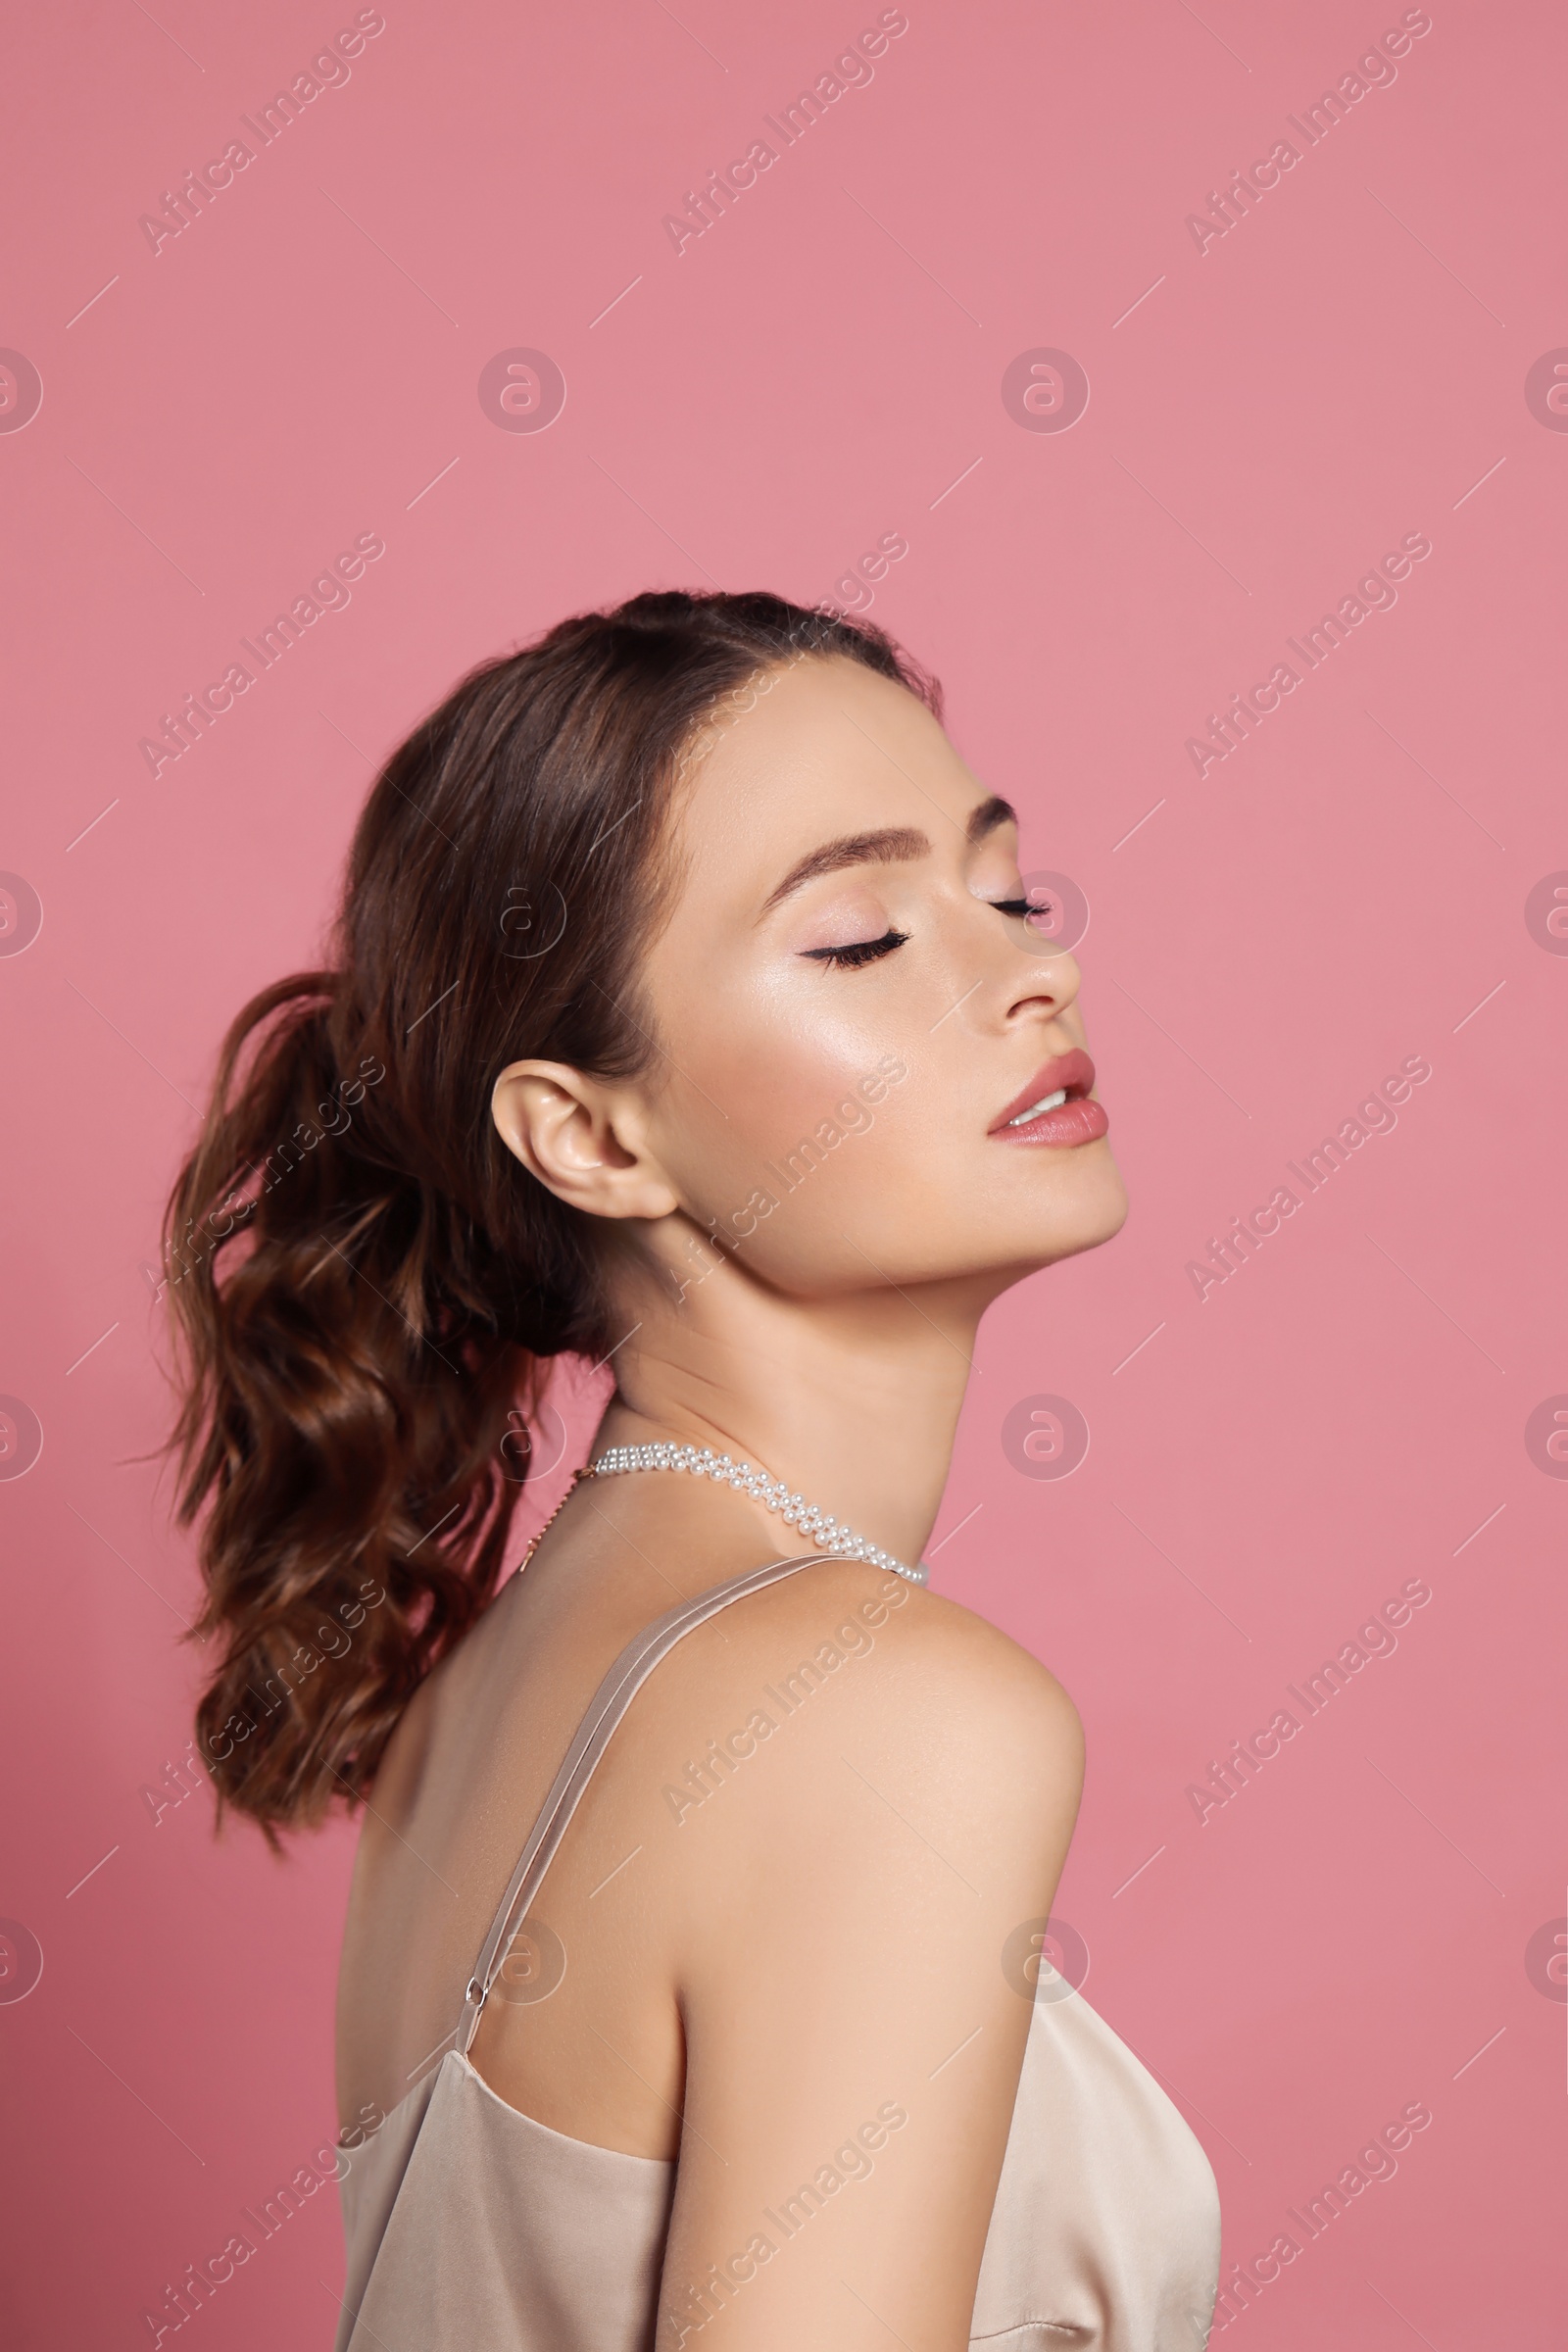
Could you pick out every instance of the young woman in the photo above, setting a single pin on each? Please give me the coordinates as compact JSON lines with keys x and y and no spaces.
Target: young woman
{"x":685,"y":1016}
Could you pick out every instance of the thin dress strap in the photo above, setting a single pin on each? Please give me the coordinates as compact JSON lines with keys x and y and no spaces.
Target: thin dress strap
{"x":608,"y":1705}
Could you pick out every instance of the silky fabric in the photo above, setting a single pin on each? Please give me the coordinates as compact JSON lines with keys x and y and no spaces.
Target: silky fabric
{"x":471,"y":2227}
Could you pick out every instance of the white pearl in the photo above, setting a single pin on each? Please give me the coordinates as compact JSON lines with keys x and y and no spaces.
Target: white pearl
{"x":831,"y":1534}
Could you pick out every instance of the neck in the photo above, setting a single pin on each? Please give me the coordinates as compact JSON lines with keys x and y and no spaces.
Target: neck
{"x":851,"y":1401}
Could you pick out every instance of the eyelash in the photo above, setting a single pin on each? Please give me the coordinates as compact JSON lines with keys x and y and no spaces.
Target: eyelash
{"x":863,"y":951}
{"x":869,"y":951}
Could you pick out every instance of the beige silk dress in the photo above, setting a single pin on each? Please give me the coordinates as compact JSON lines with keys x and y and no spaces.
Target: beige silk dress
{"x":471,"y":2227}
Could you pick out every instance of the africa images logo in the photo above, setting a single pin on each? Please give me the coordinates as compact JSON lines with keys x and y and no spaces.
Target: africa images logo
{"x":1045,"y":1437}
{"x":21,"y":391}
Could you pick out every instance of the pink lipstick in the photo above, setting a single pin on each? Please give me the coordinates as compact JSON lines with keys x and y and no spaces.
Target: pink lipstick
{"x":1055,"y":1107}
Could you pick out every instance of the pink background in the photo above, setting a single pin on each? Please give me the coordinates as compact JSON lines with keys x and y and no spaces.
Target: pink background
{"x":1346,"y":365}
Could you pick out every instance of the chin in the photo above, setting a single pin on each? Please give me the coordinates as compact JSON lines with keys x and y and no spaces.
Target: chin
{"x":1088,"y":1207}
{"x":1075,"y":1213}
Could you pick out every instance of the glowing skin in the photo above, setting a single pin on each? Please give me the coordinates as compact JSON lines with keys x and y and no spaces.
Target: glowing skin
{"x":831,"y":1344}
{"x":765,"y":1040}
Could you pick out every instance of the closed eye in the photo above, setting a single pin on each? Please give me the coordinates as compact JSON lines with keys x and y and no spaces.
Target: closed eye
{"x":858,"y":952}
{"x":869,"y":950}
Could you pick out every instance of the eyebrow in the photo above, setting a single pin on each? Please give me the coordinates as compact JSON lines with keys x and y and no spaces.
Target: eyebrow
{"x":891,"y":844}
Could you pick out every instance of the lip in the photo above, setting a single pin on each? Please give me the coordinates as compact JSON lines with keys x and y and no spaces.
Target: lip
{"x":1078,"y":1121}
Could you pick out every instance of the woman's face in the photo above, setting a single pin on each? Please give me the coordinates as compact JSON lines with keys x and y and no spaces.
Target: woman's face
{"x":851,"y":1027}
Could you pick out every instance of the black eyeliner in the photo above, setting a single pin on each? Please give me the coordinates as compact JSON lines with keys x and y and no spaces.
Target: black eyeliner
{"x":858,"y":952}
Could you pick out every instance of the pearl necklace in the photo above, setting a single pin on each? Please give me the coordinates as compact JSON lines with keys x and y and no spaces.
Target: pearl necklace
{"x":831,"y":1534}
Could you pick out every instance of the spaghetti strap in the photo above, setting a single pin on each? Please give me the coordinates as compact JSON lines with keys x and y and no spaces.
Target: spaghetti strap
{"x":470,"y":2226}
{"x":605,"y":1708}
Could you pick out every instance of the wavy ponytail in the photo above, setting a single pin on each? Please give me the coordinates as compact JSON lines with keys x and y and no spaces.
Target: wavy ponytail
{"x":365,"y":1284}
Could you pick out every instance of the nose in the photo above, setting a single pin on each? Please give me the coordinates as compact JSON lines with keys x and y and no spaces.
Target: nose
{"x":1043,"y":990}
{"x":1026,"y":981}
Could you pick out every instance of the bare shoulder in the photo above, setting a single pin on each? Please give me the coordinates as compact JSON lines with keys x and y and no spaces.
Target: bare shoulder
{"x":919,"y":1649}
{"x":849,"y":1898}
{"x":860,"y":1694}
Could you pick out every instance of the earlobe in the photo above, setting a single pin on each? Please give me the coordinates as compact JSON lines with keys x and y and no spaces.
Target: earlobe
{"x":563,"y":1127}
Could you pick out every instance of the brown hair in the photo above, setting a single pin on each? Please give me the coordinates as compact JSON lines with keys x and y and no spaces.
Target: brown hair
{"x":364,"y":1282}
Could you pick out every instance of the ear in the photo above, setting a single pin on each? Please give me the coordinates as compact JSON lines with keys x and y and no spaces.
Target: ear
{"x":582,"y":1139}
